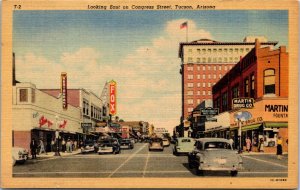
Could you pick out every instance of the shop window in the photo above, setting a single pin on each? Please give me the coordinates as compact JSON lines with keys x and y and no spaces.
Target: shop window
{"x":269,"y":81}
{"x":33,"y":95}
{"x":23,"y":95}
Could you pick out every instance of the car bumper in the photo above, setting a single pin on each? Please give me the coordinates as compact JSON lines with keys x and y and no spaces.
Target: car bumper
{"x":105,"y":151}
{"x":22,"y":157}
{"x":219,"y":168}
{"x":124,"y":146}
{"x":156,"y":148}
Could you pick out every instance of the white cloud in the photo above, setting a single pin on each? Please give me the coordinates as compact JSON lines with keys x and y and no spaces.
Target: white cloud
{"x":149,"y":83}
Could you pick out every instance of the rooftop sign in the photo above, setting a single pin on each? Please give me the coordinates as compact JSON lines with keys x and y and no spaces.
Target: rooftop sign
{"x":242,"y":103}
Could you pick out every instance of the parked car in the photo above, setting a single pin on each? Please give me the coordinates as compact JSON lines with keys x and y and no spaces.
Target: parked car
{"x":109,"y":146}
{"x":214,"y":154}
{"x":156,"y":144}
{"x":183,"y":145}
{"x":166,"y":142}
{"x":19,"y":155}
{"x":126,"y":143}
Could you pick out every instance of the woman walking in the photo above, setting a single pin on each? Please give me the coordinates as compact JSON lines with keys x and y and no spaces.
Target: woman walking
{"x":248,"y":144}
{"x":279,"y":148}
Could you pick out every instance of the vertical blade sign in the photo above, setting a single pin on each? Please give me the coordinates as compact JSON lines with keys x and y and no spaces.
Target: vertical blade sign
{"x":64,"y":90}
{"x":112,"y":98}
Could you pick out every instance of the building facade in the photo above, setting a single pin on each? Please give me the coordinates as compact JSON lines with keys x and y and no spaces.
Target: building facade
{"x":262,"y":75}
{"x":204,"y":62}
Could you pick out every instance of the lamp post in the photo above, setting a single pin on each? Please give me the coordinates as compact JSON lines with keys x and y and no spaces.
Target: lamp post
{"x":56,"y":137}
{"x":240,"y":135}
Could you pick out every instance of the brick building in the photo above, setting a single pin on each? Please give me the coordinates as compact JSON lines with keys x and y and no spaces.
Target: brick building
{"x":263,"y":75}
{"x":204,"y":62}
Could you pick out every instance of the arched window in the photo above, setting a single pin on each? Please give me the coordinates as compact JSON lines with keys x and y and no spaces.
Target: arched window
{"x":269,"y":81}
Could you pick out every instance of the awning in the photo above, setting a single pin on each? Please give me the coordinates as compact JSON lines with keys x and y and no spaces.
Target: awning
{"x":276,"y":125}
{"x":251,"y":127}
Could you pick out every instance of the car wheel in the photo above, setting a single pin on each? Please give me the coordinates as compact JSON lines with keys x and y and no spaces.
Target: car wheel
{"x":233,"y":173}
{"x":191,"y":165}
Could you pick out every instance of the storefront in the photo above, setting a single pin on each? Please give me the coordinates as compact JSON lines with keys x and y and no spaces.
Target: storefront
{"x":269,"y":121}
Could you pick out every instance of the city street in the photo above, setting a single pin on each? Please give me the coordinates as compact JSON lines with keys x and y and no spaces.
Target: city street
{"x":139,"y":162}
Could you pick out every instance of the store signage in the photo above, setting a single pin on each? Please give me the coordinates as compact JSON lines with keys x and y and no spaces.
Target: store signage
{"x":112,"y":98}
{"x":86,"y":125}
{"x":209,"y":111}
{"x":64,"y":90}
{"x":242,"y":103}
{"x":211,"y":119}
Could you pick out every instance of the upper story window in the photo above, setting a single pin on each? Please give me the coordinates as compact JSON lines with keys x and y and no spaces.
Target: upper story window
{"x":246,"y":87}
{"x":230,"y":50}
{"x":209,"y":60}
{"x":198,"y":84}
{"x":198,"y":51}
{"x":198,"y":76}
{"x":247,"y":49}
{"x":23,"y":95}
{"x":198,"y":60}
{"x":226,"y":68}
{"x":204,"y":60}
{"x":241,"y":50}
{"x":190,"y":93}
{"x":33,"y":95}
{"x":252,"y":87}
{"x":208,"y":84}
{"x":269,"y":81}
{"x":215,"y":50}
{"x":209,"y":51}
{"x":204,"y":51}
{"x":235,"y":91}
{"x":198,"y":67}
{"x":214,"y":59}
{"x":225,"y":59}
{"x":190,"y":77}
{"x":190,"y":85}
{"x":220,"y":67}
{"x":236,"y":50}
{"x":220,"y":59}
{"x":190,"y":60}
{"x":190,"y":68}
{"x":230,"y":59}
{"x":203,"y":68}
{"x":190,"y":50}
{"x":203,"y":76}
{"x":208,"y":67}
{"x":215,"y":68}
{"x":225,"y":50}
{"x":224,"y":101}
{"x":190,"y":101}
{"x":198,"y":92}
{"x":220,"y":50}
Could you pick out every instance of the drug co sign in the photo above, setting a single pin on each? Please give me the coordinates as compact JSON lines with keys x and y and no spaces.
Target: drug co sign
{"x":113,"y":97}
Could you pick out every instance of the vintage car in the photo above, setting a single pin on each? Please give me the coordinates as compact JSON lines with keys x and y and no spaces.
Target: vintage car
{"x":19,"y":155}
{"x":214,"y":154}
{"x":109,"y":146}
{"x":156,"y":144}
{"x":166,"y":142}
{"x":183,"y":145}
{"x":89,"y":147}
{"x":126,"y":143}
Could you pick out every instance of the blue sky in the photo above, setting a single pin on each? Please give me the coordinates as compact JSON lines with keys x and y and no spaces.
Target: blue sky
{"x":139,"y":49}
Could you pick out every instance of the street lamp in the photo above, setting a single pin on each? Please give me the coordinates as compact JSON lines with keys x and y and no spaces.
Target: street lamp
{"x":240,"y":135}
{"x":56,"y":137}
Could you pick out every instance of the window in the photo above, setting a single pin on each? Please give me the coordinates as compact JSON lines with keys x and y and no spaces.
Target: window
{"x":220,"y":76}
{"x":190,"y":60}
{"x":215,"y":68}
{"x":190,"y":68}
{"x":23,"y":95}
{"x":209,"y":51}
{"x":208,"y":67}
{"x":246,"y":87}
{"x":204,"y":51}
{"x":190,"y":101}
{"x":190,"y":77}
{"x":209,"y":93}
{"x":198,"y":101}
{"x":198,"y":60}
{"x":198,"y":76}
{"x":214,"y":59}
{"x":190,"y":109}
{"x":208,"y":84}
{"x":236,"y":59}
{"x":92,"y":111}
{"x":241,"y":50}
{"x":190,"y":85}
{"x":198,"y":92}
{"x":204,"y":60}
{"x":220,"y":59}
{"x":209,"y":76}
{"x":235,"y":91}
{"x":220,"y":50}
{"x":215,"y":50}
{"x":84,"y":104}
{"x":203,"y":76}
{"x":198,"y":67}
{"x":269,"y":81}
{"x":230,"y":59}
{"x":203,"y":68}
{"x":224,"y":101}
{"x":252,"y":88}
{"x":225,"y":60}
{"x":87,"y":108}
{"x":236,"y":50}
{"x":230,"y":50}
{"x":220,"y":67}
{"x":215,"y":76}
{"x":33,"y":95}
{"x":203,"y":85}
{"x":203,"y":93}
{"x":190,"y":93}
{"x":209,"y":60}
{"x":247,"y":50}
{"x":198,"y":51}
{"x":198,"y":84}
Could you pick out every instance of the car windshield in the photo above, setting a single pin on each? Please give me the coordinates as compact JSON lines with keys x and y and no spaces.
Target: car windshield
{"x":217,"y":145}
{"x":105,"y":142}
{"x":125,"y":141}
{"x":186,"y":140}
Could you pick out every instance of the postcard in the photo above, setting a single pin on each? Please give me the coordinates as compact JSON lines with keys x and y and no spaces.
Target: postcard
{"x":160,"y":94}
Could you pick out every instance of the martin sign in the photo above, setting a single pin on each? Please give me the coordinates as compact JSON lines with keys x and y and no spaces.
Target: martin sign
{"x":242,"y":103}
{"x":112,"y":98}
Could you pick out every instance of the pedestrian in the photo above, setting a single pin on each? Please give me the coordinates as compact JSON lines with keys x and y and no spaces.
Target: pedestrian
{"x":52,"y":145}
{"x":248,"y":144}
{"x":80,"y":144}
{"x":279,"y":148}
{"x":63,"y":145}
{"x":75,"y":145}
{"x":231,"y":142}
{"x":42,"y":147}
{"x":69,"y":146}
{"x":33,"y":147}
{"x":261,"y":145}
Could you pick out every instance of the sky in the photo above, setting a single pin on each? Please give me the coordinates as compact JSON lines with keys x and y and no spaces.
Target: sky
{"x":137,"y":49}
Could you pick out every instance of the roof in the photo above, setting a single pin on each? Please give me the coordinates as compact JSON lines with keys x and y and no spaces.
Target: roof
{"x":204,"y":42}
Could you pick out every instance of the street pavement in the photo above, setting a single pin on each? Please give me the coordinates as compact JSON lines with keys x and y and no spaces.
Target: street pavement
{"x":139,"y":162}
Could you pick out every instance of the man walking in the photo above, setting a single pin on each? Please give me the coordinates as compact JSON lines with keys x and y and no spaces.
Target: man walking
{"x":33,"y":147}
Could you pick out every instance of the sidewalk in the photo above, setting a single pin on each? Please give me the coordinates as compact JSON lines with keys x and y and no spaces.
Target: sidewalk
{"x":62,"y":154}
{"x":261,"y":153}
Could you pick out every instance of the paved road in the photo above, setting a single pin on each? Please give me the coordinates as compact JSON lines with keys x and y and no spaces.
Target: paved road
{"x":139,"y":162}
